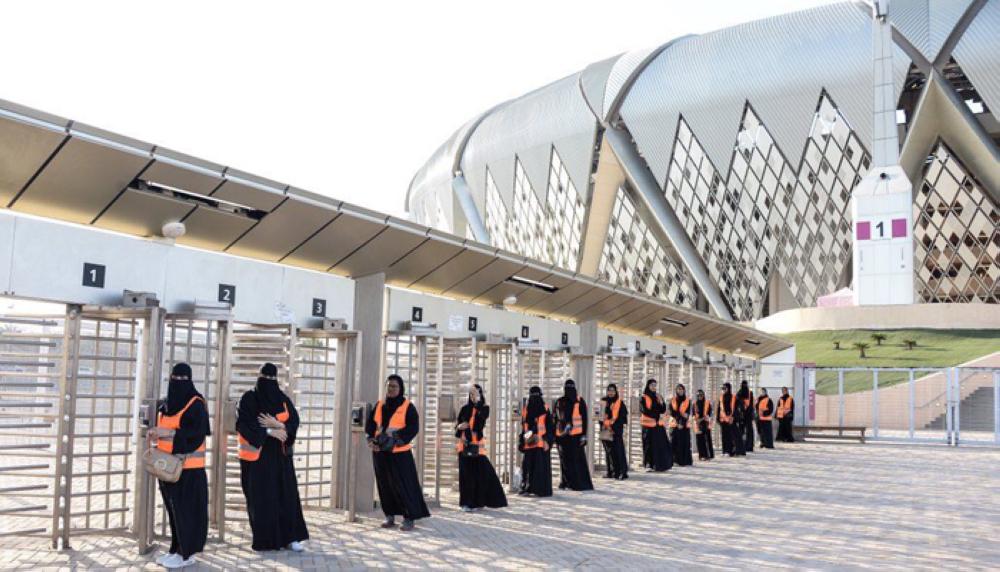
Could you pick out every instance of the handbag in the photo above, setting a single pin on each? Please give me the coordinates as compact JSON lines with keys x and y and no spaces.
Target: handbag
{"x":164,"y":466}
{"x":471,"y":450}
{"x":230,"y":411}
{"x":607,"y":435}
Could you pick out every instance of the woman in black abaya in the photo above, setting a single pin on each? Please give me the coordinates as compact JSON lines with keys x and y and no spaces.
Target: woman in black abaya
{"x":680,"y":430}
{"x":656,"y":451}
{"x":613,"y":419}
{"x":703,"y":427}
{"x":478,"y":485}
{"x":745,"y":416}
{"x":765,"y":410}
{"x":729,"y":415}
{"x":535,"y":442}
{"x":571,"y":436}
{"x":786,"y":413}
{"x":267,"y":423}
{"x":182,"y":426}
{"x":391,"y":428}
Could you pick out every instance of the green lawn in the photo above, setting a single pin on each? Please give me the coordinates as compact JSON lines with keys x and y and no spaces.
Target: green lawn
{"x":935,"y":348}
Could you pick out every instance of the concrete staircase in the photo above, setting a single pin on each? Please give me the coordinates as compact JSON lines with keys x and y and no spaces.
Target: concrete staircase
{"x":975,"y":413}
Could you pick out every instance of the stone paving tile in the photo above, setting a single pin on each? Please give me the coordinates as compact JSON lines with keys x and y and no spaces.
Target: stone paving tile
{"x":812,"y":506}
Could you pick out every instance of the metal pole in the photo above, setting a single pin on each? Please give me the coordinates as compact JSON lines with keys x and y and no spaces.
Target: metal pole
{"x":840,"y":393}
{"x":957,"y":377}
{"x":949,"y":422}
{"x":913,"y":404}
{"x":875,"y":403}
{"x":996,"y":407}
{"x":437,"y":421}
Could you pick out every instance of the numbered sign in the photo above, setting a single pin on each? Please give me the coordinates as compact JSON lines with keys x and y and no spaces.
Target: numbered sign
{"x":664,"y":352}
{"x":637,"y":346}
{"x":417,"y":314}
{"x":227,"y":294}
{"x":524,"y":331}
{"x":565,"y":339}
{"x":611,"y":341}
{"x":881,"y":228}
{"x":93,"y":275}
{"x":473,"y":323}
{"x":319,"y":308}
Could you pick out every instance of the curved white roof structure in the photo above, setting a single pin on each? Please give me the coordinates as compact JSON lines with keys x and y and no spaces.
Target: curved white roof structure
{"x":715,"y":171}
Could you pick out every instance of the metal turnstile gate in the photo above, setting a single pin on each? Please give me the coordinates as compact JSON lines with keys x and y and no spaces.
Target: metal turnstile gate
{"x":446,"y":394}
{"x":616,"y":368}
{"x":495,"y":373}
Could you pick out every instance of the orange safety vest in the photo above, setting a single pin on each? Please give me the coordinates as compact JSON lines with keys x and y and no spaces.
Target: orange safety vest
{"x":785,"y":404}
{"x":460,"y":446}
{"x":723,"y":417}
{"x":707,"y":410}
{"x":647,"y":421}
{"x":397,"y":421}
{"x":577,"y":427}
{"x":683,"y":408}
{"x":539,"y":429}
{"x":168,"y":424}
{"x":762,"y":406}
{"x":248,"y":452}
{"x":614,"y":414}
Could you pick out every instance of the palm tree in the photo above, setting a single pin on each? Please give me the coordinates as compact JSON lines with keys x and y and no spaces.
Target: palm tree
{"x":910,"y":344}
{"x":879,"y":338}
{"x":861,"y":347}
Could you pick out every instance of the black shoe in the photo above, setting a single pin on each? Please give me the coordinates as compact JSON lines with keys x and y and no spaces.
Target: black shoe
{"x":390,"y":522}
{"x":407,"y":525}
{"x":622,"y":477}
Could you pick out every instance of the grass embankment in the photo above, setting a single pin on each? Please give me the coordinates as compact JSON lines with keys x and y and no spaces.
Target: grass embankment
{"x":933,"y":349}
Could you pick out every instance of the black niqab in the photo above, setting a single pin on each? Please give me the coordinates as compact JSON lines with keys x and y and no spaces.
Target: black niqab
{"x":608,"y":401}
{"x":744,"y":392}
{"x":568,"y":400}
{"x":648,"y":391}
{"x":270,"y":398}
{"x":180,"y":389}
{"x":477,"y":404}
{"x":536,"y":405}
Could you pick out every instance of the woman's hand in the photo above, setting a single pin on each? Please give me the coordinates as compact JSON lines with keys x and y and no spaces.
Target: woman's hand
{"x":279,"y":434}
{"x":269,"y":421}
{"x":463,"y":426}
{"x":153,"y":433}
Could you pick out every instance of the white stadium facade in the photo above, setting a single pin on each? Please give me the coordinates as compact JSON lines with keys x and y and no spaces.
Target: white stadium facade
{"x":716,"y":171}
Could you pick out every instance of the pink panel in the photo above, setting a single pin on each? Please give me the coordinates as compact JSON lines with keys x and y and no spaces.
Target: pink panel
{"x":864,"y":230}
{"x":898,"y":227}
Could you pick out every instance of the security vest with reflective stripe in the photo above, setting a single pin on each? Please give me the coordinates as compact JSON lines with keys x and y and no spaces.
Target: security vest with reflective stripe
{"x":460,"y":446}
{"x":539,"y":427}
{"x":785,"y":405}
{"x":683,"y":408}
{"x":577,"y":427}
{"x":397,"y":422}
{"x":615,"y":408}
{"x":168,"y":425}
{"x":250,"y":453}
{"x":763,"y":404}
{"x":646,"y":420}
{"x":705,"y":413}
{"x":723,"y":416}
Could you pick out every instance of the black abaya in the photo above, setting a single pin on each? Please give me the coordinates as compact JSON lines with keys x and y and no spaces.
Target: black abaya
{"x":744,"y":422}
{"x":269,"y":483}
{"x":536,"y":462}
{"x":186,"y":501}
{"x":574,"y":470}
{"x":732,"y":439}
{"x":680,"y":433}
{"x":656,"y":452}
{"x":764,"y":429}
{"x":614,"y":450}
{"x":703,"y":423}
{"x":396,"y":479}
{"x":478,"y":484}
{"x":785,"y":423}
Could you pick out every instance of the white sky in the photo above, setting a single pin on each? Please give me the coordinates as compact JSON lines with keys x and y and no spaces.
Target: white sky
{"x":346,"y":99}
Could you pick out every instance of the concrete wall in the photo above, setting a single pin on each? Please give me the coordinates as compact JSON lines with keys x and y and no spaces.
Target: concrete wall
{"x":43,"y":260}
{"x":931,"y":316}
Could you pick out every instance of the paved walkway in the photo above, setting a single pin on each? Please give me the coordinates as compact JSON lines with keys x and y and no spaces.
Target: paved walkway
{"x":813,"y":506}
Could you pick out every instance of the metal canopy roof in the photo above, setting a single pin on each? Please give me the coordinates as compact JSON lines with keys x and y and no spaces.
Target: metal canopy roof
{"x":65,"y":170}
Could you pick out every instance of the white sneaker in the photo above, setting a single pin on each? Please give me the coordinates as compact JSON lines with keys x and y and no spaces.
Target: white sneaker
{"x":163,"y":557}
{"x":177,"y":561}
{"x":296,"y":546}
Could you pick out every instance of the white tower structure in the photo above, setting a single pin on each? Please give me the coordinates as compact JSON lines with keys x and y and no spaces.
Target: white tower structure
{"x":882,"y":203}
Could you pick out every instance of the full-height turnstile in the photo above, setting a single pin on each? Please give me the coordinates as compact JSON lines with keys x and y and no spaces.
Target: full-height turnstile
{"x":618,"y":367}
{"x":496,"y":373}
